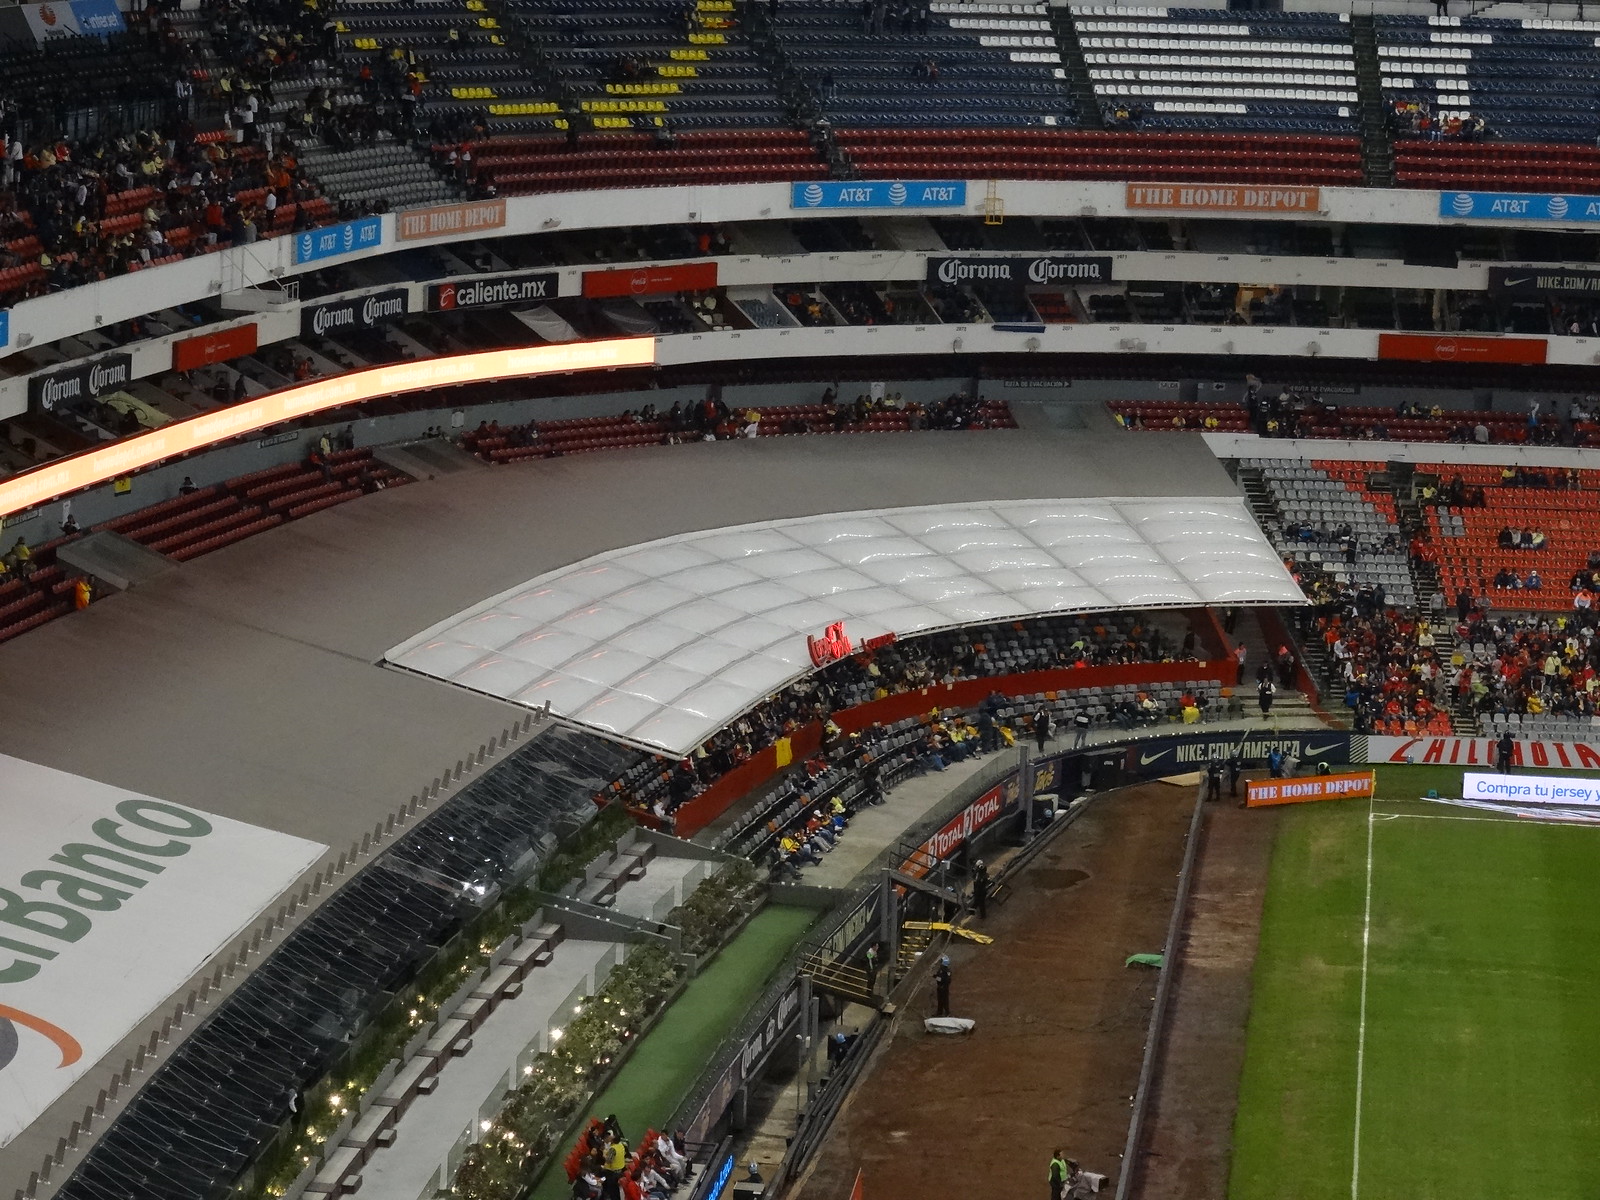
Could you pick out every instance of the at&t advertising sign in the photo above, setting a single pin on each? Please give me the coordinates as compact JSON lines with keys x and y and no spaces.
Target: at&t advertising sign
{"x":879,"y":193}
{"x":1520,"y":206}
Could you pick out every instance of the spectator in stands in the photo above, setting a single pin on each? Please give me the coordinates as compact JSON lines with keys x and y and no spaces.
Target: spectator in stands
{"x":20,"y":558}
{"x":1533,"y":583}
{"x":676,"y":1163}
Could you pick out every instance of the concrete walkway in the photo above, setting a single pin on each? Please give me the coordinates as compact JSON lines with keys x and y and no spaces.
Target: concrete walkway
{"x":434,"y":1123}
{"x":874,"y":829}
{"x":663,"y":886}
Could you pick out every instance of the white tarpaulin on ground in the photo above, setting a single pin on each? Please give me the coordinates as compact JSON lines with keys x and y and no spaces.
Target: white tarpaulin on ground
{"x":666,"y":642}
{"x":109,"y":902}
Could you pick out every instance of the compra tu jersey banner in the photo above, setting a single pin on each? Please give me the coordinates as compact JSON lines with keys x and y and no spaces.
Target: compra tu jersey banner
{"x":109,"y":902}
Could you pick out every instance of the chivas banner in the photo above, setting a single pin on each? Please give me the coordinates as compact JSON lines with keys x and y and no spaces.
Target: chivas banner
{"x":1478,"y":752}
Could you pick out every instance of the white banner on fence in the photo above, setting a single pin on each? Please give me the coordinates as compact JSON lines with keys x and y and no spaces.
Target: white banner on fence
{"x":109,"y":902}
{"x":1480,"y":752}
{"x":1531,"y":789}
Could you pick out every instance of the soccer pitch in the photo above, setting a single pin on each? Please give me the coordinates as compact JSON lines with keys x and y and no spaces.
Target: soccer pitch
{"x":1425,"y":1018}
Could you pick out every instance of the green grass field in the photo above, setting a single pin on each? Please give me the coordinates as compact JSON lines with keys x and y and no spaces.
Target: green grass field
{"x":1479,"y":1033}
{"x":662,"y":1068}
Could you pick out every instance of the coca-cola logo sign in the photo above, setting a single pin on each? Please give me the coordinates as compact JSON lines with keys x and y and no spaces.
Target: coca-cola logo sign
{"x":358,"y":312}
{"x":830,"y":647}
{"x":1022,"y":269}
{"x":81,"y":381}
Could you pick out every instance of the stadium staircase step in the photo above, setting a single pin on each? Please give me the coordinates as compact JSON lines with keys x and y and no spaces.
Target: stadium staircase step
{"x":1377,"y":146}
{"x":840,"y":978}
{"x":1077,"y":68}
{"x":803,"y":102}
{"x":912,"y":944}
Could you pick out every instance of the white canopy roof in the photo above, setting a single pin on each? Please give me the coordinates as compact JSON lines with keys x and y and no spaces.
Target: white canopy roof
{"x":664,"y":643}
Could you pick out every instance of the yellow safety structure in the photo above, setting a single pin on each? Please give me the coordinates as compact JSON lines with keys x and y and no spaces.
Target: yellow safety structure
{"x":972,"y":935}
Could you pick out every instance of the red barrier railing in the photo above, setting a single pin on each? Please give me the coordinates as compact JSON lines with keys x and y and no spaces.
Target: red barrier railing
{"x":694,"y":815}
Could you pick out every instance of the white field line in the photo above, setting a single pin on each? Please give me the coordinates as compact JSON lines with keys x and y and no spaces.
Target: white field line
{"x":1525,"y":822}
{"x":1361,"y":1028}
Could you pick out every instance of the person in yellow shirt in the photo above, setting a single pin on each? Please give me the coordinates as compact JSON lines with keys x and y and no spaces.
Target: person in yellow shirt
{"x":612,"y":1166}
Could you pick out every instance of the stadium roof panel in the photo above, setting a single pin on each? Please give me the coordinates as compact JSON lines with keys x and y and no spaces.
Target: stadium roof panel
{"x":663,"y":643}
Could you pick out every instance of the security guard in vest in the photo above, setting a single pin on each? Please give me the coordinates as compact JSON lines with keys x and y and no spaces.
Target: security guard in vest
{"x":1058,"y":1174}
{"x":614,"y":1163}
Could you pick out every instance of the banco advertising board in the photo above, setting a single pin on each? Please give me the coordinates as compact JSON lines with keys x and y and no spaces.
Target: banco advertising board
{"x":109,"y":902}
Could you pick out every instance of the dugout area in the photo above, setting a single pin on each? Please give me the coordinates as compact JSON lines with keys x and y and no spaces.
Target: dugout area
{"x":1061,"y":1022}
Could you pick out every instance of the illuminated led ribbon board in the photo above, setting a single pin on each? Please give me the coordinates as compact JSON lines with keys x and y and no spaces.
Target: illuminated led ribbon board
{"x":79,"y":471}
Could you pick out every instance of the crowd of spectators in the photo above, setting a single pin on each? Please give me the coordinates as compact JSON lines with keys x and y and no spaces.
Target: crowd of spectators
{"x":196,"y":195}
{"x":602,"y":1166}
{"x":895,"y":669}
{"x":1417,"y":118}
{"x":1529,"y":665}
{"x":189,"y":173}
{"x":1394,"y":680}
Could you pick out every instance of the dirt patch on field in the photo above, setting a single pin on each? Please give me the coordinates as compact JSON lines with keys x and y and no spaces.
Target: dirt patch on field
{"x":1190,"y":1131}
{"x":1060,"y":1025}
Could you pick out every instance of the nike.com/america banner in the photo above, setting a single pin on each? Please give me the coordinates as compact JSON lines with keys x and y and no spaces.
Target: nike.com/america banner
{"x":109,"y":902}
{"x":1154,"y":757}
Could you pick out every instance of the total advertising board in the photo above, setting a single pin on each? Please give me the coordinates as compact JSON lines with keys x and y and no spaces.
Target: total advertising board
{"x":1519,"y":206}
{"x":880,"y":193}
{"x":109,"y":902}
{"x":961,"y":828}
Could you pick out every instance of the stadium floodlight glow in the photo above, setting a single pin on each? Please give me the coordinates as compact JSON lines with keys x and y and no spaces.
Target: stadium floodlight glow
{"x":79,"y":471}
